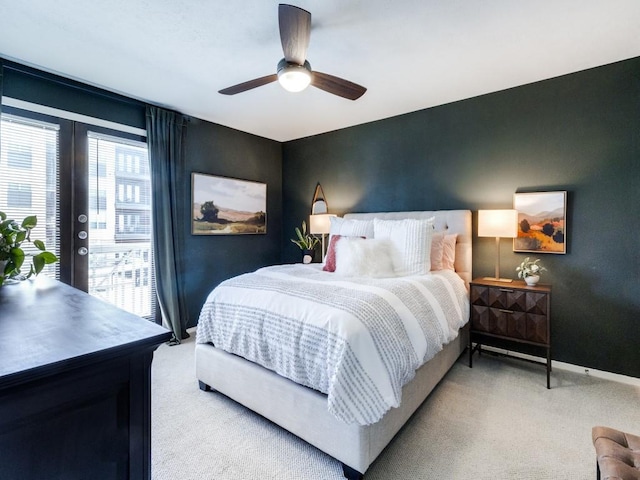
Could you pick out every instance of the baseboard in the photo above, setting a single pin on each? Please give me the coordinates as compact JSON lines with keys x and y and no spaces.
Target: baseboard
{"x":615,"y":377}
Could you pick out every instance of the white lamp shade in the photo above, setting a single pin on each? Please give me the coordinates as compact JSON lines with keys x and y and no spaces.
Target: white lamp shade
{"x":498,"y":223}
{"x":320,"y":224}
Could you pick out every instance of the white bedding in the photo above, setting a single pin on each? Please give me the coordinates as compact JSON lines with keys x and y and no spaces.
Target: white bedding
{"x":358,"y":340}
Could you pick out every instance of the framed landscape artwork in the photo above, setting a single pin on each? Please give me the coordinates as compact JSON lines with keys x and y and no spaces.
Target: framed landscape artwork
{"x":541,"y":222}
{"x":227,"y":206}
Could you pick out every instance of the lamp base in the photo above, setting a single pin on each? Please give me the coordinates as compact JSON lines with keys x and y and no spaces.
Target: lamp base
{"x":494,"y":279}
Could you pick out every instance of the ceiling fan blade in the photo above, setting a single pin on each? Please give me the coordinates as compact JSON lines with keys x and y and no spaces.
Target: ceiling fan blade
{"x":295,"y":29}
{"x":337,"y":86}
{"x":243,"y":87}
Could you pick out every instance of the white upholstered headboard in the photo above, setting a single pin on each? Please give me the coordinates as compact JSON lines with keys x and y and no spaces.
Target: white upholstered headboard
{"x":448,"y":221}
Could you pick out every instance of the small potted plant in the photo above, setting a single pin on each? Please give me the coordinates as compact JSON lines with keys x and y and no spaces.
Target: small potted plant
{"x":306,"y":242}
{"x":12,"y":255}
{"x":530,"y":270}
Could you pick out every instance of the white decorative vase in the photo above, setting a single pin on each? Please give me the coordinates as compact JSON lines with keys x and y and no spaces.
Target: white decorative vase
{"x":307,"y":256}
{"x":532,"y":280}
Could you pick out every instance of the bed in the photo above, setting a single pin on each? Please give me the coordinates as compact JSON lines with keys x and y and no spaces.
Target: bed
{"x":325,"y":406}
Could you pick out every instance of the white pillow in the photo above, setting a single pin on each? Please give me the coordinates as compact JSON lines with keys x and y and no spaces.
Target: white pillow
{"x":351,"y":228}
{"x":411,"y":243}
{"x":359,"y":257}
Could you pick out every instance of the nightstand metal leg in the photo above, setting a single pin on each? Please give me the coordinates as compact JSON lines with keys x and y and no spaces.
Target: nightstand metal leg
{"x":548,"y":368}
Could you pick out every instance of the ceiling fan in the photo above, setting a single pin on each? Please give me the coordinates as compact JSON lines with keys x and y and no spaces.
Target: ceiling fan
{"x":294,"y":71}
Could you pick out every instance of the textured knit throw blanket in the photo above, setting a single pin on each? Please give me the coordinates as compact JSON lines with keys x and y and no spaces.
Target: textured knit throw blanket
{"x":358,"y":340}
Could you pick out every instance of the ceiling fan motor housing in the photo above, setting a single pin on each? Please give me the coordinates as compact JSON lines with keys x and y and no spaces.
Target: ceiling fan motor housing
{"x":292,"y":76}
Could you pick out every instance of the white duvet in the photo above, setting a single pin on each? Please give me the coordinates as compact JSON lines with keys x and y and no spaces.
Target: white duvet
{"x":358,"y":340}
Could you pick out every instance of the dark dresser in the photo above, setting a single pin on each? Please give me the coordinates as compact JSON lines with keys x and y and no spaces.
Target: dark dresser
{"x":75,"y":372}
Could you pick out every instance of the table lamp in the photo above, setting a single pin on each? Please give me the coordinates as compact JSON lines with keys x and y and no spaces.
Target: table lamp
{"x":498,"y":223}
{"x":320,"y":225}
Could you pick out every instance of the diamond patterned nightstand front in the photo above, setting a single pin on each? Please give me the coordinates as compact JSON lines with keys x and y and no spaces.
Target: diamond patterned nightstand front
{"x":514,"y":312}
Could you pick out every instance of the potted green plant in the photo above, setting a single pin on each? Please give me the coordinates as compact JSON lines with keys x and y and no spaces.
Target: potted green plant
{"x":306,"y":242}
{"x":530,"y":270}
{"x":12,"y":255}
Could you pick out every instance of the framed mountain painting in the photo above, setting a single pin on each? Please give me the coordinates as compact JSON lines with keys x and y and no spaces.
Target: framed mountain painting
{"x":227,"y":206}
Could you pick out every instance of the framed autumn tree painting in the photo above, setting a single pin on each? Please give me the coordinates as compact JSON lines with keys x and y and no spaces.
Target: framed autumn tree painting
{"x":541,"y":222}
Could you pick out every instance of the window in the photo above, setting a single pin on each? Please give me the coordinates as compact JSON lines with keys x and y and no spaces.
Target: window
{"x":98,"y":200}
{"x":98,"y":169}
{"x":29,"y":179}
{"x":19,"y":195}
{"x":131,"y":161}
{"x":19,"y":155}
{"x":36,"y":179}
{"x":120,"y":224}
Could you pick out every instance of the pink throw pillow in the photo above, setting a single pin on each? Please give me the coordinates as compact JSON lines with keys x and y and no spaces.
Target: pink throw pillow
{"x":437,"y":247}
{"x":330,"y":259}
{"x":449,"y":252}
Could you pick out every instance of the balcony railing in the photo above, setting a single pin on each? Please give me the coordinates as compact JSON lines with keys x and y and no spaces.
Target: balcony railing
{"x":122,"y":274}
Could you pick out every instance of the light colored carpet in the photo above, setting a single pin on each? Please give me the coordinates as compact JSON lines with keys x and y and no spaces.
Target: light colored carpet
{"x":496,"y":420}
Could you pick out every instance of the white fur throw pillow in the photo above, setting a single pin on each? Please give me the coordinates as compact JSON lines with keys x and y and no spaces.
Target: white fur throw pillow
{"x":411,"y":244}
{"x":360,"y":257}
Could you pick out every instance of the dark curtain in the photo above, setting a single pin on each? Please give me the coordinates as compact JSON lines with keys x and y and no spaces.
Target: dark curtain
{"x":164,"y":139}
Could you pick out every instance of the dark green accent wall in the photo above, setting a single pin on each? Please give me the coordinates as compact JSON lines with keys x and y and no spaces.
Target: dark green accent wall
{"x":217,"y":150}
{"x":579,"y":133}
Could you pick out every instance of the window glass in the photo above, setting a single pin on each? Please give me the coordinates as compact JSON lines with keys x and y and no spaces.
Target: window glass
{"x":120,"y":249}
{"x":29,"y":180}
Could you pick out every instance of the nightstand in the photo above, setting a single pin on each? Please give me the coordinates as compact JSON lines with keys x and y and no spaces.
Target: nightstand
{"x":514,"y":312}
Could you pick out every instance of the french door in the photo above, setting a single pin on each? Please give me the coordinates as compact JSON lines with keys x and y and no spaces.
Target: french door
{"x":90,"y":189}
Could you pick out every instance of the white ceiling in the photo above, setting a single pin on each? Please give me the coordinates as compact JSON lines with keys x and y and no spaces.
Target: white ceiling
{"x":410,"y":54}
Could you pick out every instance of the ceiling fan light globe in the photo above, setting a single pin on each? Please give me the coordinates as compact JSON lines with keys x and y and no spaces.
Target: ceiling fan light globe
{"x":294,"y":78}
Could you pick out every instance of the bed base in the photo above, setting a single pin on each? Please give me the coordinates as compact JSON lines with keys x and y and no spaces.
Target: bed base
{"x":303,"y":411}
{"x":348,"y":472}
